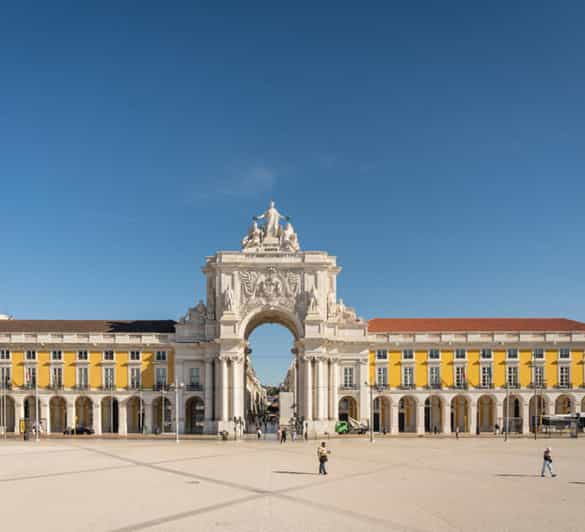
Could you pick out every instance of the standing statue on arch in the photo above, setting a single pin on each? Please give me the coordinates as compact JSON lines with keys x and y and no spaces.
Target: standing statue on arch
{"x":272,"y":227}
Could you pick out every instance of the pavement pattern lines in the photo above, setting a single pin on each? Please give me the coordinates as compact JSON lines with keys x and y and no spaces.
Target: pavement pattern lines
{"x":411,"y":485}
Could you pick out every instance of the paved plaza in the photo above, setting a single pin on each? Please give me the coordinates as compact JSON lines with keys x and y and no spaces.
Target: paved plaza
{"x":410,"y":484}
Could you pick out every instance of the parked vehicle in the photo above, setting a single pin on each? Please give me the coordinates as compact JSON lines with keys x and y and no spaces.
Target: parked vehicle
{"x":78,"y":430}
{"x":351,"y":426}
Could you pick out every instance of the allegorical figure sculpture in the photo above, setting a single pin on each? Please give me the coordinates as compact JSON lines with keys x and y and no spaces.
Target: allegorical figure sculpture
{"x":271,"y":235}
{"x":272,"y":217}
{"x":254,"y":237}
{"x":228,"y":300}
{"x":290,"y":241}
{"x":313,"y":302}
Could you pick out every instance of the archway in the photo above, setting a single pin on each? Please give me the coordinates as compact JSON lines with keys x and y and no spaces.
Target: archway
{"x":460,"y":414}
{"x":83,"y":413}
{"x":381,"y":414}
{"x":433,"y":414}
{"x":486,"y":413}
{"x":407,"y":414}
{"x":513,"y":422}
{"x":194,"y":415}
{"x":135,"y":415}
{"x":30,"y":412}
{"x":348,"y":408}
{"x":7,"y":413}
{"x":109,"y":415}
{"x":538,"y":407}
{"x":565,"y":404}
{"x":161,"y":418}
{"x":58,"y":414}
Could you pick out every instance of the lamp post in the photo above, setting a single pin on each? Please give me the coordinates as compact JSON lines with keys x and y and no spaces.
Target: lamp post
{"x":507,"y":419}
{"x":178,"y":386}
{"x":37,"y":436}
{"x":371,"y":421}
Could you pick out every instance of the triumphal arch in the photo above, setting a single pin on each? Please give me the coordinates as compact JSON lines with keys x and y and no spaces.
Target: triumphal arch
{"x":271,"y":280}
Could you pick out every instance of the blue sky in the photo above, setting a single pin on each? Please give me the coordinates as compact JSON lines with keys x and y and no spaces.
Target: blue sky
{"x":436,"y":148}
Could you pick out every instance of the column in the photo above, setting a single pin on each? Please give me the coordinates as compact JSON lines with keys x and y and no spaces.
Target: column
{"x":525,"y":417}
{"x":299,"y":396}
{"x":238,"y":387}
{"x":70,"y":420}
{"x":308,"y":385}
{"x":446,"y":416}
{"x":334,"y":409}
{"x":122,"y":417}
{"x":321,"y":405}
{"x":364,"y":406}
{"x":394,"y":410}
{"x":208,"y":389}
{"x":47,"y":410}
{"x":473,"y":416}
{"x":224,"y":385}
{"x":97,"y":416}
{"x":420,"y":417}
{"x":500,"y":416}
{"x":147,"y":416}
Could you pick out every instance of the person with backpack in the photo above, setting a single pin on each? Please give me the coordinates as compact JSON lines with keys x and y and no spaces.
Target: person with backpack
{"x":547,"y":463}
{"x":323,"y":457}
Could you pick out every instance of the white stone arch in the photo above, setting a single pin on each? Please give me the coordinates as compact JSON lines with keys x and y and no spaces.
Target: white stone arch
{"x":565,"y":403}
{"x":408,"y":406}
{"x":271,"y":314}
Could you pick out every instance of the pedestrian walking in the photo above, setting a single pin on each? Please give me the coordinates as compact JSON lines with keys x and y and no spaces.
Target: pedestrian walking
{"x":259,"y":432}
{"x":279,"y":435}
{"x":457,"y":432}
{"x":435,"y":430}
{"x":283,"y":436}
{"x":547,"y":463}
{"x":293,"y":434}
{"x":323,"y":456}
{"x":497,"y":429}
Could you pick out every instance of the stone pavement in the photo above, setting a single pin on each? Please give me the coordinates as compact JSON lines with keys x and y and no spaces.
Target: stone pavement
{"x":410,"y":484}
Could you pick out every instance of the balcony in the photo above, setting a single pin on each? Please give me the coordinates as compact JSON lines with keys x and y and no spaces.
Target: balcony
{"x":566,"y":386}
{"x":6,"y":386}
{"x":461,"y":386}
{"x":410,"y":386}
{"x":108,"y":387}
{"x":511,"y":386}
{"x":434,"y":386}
{"x":56,"y":386}
{"x":81,"y":387}
{"x":348,"y":387}
{"x":485,"y":386}
{"x":134,"y":387}
{"x":161,"y":387}
{"x":537,"y":385}
{"x":194,"y":387}
{"x":29,"y":385}
{"x":381,"y":387}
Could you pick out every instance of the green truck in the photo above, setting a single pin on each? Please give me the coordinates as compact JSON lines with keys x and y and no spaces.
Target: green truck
{"x":351,"y":426}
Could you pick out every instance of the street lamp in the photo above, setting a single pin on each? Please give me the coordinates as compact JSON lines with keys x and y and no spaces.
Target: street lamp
{"x":178,"y":386}
{"x":378,"y":388}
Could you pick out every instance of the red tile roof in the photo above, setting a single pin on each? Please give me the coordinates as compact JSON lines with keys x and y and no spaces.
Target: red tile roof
{"x":87,"y":326}
{"x":385,"y":325}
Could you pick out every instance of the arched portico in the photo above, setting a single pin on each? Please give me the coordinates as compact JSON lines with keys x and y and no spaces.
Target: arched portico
{"x":512,"y":420}
{"x":83,"y":413}
{"x":407,"y":414}
{"x":460,"y":414}
{"x":348,"y":408}
{"x":486,"y":413}
{"x":110,"y":413}
{"x":538,"y":406}
{"x":433,"y":414}
{"x":194,"y":415}
{"x":58,"y":414}
{"x":382,"y":413}
{"x":565,"y":404}
{"x":135,"y":415}
{"x":7,"y":413}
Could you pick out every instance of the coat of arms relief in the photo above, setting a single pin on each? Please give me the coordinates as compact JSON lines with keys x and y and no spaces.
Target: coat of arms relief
{"x":270,"y":287}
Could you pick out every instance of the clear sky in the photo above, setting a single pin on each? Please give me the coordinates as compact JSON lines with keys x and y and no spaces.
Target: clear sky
{"x":436,"y":148}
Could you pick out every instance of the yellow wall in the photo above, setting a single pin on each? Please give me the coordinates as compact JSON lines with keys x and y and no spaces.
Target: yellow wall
{"x":122,"y":369}
{"x":372,"y":368}
{"x":525,"y":368}
{"x":43,"y":372}
{"x":473,"y":368}
{"x":420,"y":369}
{"x":447,"y":358}
{"x":18,"y":368}
{"x":499,"y":371}
{"x":551,"y":368}
{"x":394,"y":377}
{"x":69,"y":369}
{"x":577,"y":368}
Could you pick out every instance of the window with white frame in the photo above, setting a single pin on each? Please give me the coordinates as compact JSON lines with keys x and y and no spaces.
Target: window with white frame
{"x":381,"y":354}
{"x":459,"y":376}
{"x":57,"y":377}
{"x":538,"y":353}
{"x":135,"y":356}
{"x":4,"y":354}
{"x":434,"y":354}
{"x":512,"y":353}
{"x":486,"y":376}
{"x":82,"y":378}
{"x":435,"y":376}
{"x":408,"y":376}
{"x":5,"y":380}
{"x":382,"y":376}
{"x":109,"y":376}
{"x":538,"y":376}
{"x":195,"y":376}
{"x":564,"y":353}
{"x":564,"y":376}
{"x":135,"y":379}
{"x":56,"y":356}
{"x":460,"y":354}
{"x":161,"y":356}
{"x":161,"y":376}
{"x":82,"y":356}
{"x":348,"y":377}
{"x":408,"y":354}
{"x":30,"y":376}
{"x":109,"y":356}
{"x":512,"y":376}
{"x":485,"y":354}
{"x":31,"y":355}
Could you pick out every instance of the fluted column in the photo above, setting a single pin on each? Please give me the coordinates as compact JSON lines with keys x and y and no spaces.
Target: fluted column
{"x":420,"y":417}
{"x":208,"y":389}
{"x":47,"y":410}
{"x":320,"y":370}
{"x":525,"y":417}
{"x":224,"y":387}
{"x":122,"y":418}
{"x":70,"y":420}
{"x":500,"y":415}
{"x":364,"y":406}
{"x":97,"y":417}
{"x":394,"y":411}
{"x":308,"y":386}
{"x":334,"y":402}
{"x":238,"y":387}
{"x":446,"y":417}
{"x":147,"y":416}
{"x":473,"y":416}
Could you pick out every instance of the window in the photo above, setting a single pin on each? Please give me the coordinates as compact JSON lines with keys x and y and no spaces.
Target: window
{"x":195,"y":376}
{"x":435,"y":376}
{"x":161,"y":376}
{"x":486,"y":354}
{"x":460,"y":354}
{"x":82,"y":355}
{"x":161,"y":356}
{"x":108,"y":378}
{"x":513,"y":353}
{"x":512,"y":376}
{"x":57,"y":377}
{"x":134,"y":356}
{"x":31,"y":355}
{"x":459,"y":376}
{"x":30,"y":376}
{"x":408,"y":376}
{"x":381,"y":354}
{"x":538,"y":376}
{"x":135,"y":378}
{"x":408,"y":354}
{"x":348,"y":377}
{"x":486,"y":376}
{"x":565,"y":353}
{"x":5,"y":380}
{"x":56,"y":355}
{"x":538,"y":354}
{"x":109,"y":356}
{"x":564,"y":376}
{"x":4,"y":354}
{"x":434,"y":354}
{"x":82,"y":377}
{"x":382,"y":376}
